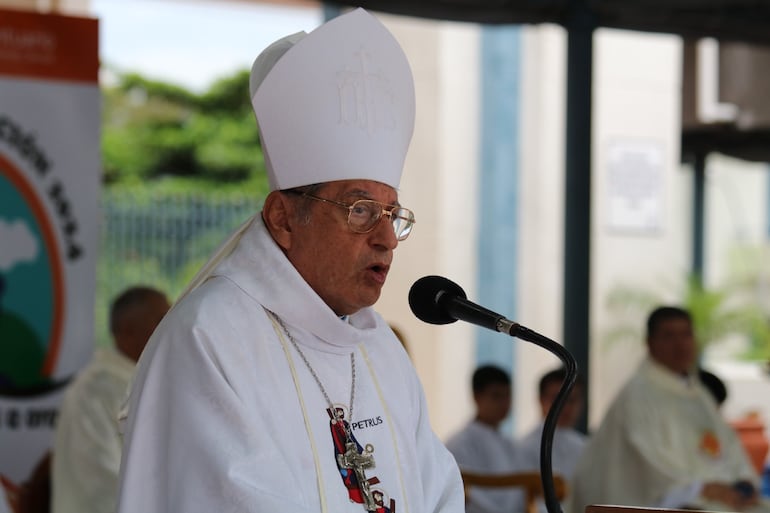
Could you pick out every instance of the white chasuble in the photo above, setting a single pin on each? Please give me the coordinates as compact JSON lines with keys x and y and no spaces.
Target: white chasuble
{"x":662,"y":435}
{"x":224,"y":415}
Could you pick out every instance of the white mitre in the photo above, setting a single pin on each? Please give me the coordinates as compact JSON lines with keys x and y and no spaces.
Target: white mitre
{"x":334,"y":104}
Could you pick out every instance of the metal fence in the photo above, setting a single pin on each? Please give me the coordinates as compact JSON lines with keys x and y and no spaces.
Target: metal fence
{"x":160,"y":240}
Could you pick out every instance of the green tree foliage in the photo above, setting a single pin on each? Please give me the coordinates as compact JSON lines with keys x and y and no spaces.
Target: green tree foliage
{"x":181,"y":171}
{"x":733,"y":309}
{"x":154,"y":130}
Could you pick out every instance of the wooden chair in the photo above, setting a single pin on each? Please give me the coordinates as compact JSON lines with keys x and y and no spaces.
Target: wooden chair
{"x":530,"y":482}
{"x":606,"y":508}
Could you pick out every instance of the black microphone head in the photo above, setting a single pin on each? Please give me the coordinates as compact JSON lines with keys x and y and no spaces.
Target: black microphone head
{"x":426,"y":298}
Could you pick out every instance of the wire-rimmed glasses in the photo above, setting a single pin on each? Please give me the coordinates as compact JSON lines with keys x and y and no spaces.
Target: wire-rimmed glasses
{"x":364,"y":214}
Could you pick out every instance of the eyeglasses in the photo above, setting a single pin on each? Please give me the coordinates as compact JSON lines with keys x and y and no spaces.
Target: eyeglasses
{"x":364,"y":214}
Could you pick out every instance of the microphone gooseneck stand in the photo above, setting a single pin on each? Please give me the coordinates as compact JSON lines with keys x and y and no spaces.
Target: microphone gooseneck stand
{"x":549,"y":427}
{"x":438,"y":300}
{"x":454,"y":304}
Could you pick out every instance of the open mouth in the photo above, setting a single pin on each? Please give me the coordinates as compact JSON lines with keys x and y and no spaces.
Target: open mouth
{"x":379,"y":271}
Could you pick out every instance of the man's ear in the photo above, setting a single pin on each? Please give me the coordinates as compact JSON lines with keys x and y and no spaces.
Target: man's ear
{"x":277,"y":213}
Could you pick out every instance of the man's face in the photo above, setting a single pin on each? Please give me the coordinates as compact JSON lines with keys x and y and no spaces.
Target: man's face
{"x":136,"y":329}
{"x":346,"y":269}
{"x":672,"y":344}
{"x":572,"y":408}
{"x":493,"y":403}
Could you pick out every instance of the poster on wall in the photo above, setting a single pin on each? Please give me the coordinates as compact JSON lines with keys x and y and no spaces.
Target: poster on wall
{"x":635,"y":180}
{"x":49,"y":201}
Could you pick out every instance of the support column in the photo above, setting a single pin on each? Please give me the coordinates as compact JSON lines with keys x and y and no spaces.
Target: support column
{"x":577,"y":221}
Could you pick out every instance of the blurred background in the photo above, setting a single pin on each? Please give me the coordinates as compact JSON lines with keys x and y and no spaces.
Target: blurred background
{"x":673,"y":205}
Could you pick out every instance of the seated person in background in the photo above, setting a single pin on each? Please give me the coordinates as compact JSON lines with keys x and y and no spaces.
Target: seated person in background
{"x":87,"y":445}
{"x":481,"y":448}
{"x":568,"y":442}
{"x":662,"y":442}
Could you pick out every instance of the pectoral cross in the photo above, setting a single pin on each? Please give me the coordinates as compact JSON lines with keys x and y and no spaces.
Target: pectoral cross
{"x":358,"y":462}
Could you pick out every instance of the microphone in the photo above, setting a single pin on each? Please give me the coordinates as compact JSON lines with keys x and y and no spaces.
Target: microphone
{"x":438,"y":300}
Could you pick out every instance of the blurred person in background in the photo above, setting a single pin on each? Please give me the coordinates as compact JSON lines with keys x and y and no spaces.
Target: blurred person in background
{"x":663,"y":442}
{"x":87,"y":445}
{"x":481,"y":448}
{"x":568,"y":442}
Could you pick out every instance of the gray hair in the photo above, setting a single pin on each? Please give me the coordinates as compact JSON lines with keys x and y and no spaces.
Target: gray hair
{"x":303,"y":203}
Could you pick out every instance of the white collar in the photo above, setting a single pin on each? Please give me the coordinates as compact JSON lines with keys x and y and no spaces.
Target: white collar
{"x":259,"y":267}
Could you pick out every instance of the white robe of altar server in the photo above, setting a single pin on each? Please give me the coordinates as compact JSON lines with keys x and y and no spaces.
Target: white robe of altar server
{"x":660,"y":441}
{"x":481,"y":449}
{"x":568,"y":445}
{"x":224,"y":416}
{"x":87,"y":445}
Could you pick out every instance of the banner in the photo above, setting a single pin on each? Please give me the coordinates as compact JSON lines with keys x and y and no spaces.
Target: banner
{"x":49,"y":212}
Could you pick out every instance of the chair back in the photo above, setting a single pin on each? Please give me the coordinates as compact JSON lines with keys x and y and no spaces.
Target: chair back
{"x":530,"y":482}
{"x":607,"y":508}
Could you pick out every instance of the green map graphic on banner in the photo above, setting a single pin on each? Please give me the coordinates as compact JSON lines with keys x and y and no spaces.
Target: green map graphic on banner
{"x":27,"y":296}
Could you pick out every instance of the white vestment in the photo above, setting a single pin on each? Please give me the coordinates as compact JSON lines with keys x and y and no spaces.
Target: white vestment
{"x":87,"y":445}
{"x":662,"y":436}
{"x":224,"y":415}
{"x":481,"y":449}
{"x":568,"y":445}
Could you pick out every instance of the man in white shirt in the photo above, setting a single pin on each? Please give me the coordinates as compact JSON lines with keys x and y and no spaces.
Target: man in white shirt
{"x":568,"y":442}
{"x":663,"y":443}
{"x":480,"y":447}
{"x":87,"y":444}
{"x":273,"y":385}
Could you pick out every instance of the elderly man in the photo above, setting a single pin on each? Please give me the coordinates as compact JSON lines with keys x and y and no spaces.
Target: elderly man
{"x":87,"y":444}
{"x":663,"y":442}
{"x":272,"y":385}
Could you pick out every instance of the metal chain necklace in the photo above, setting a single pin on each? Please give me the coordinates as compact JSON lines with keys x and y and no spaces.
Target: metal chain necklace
{"x":352,"y":458}
{"x":315,"y":376}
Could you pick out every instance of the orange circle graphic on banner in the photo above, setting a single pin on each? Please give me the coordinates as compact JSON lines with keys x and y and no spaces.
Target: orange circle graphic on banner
{"x":32,"y":201}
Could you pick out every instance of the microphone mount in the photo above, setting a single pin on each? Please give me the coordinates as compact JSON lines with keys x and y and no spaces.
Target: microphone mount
{"x":437,"y":300}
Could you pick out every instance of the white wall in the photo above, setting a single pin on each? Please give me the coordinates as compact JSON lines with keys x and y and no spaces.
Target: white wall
{"x":541,"y":211}
{"x":637,"y":96}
